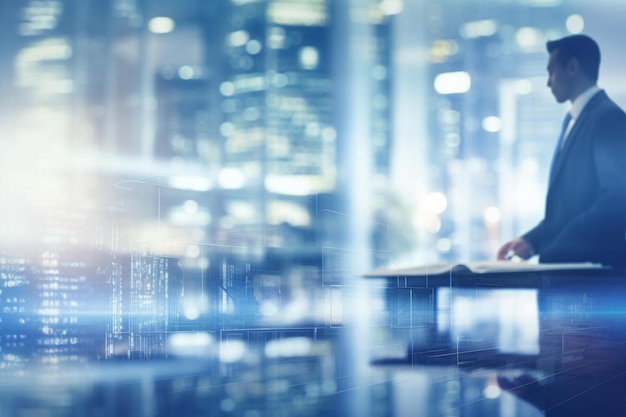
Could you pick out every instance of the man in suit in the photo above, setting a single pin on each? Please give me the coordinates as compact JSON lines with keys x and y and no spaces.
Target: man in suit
{"x":585,"y":212}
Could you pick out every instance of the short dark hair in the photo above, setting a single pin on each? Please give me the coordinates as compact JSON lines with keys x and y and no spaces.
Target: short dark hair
{"x":581,"y":47}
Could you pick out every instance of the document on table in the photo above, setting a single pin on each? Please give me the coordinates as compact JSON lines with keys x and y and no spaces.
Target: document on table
{"x":480,"y":267}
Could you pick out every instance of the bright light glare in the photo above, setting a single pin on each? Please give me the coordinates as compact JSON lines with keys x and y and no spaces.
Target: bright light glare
{"x":190,"y":344}
{"x":575,"y":23}
{"x":193,"y":251}
{"x":444,"y":245}
{"x":492,"y":215}
{"x":186,"y":72}
{"x":276,"y":38}
{"x":492,"y":391}
{"x":436,"y":202}
{"x":161,"y":25}
{"x":227,"y":88}
{"x":195,"y":183}
{"x":268,"y":309}
{"x":193,"y":307}
{"x":479,"y":28}
{"x":191,"y":313}
{"x":232,"y":351}
{"x":293,"y":346}
{"x":523,"y":87}
{"x":297,"y":13}
{"x":253,"y":47}
{"x":309,"y":57}
{"x":231,"y":178}
{"x":289,"y":185}
{"x":190,"y":206}
{"x":49,"y":49}
{"x":529,"y":38}
{"x":239,"y":38}
{"x":492,"y":124}
{"x":442,"y":49}
{"x":453,"y":82}
{"x":432,"y":224}
{"x":391,"y":7}
{"x":227,"y":129}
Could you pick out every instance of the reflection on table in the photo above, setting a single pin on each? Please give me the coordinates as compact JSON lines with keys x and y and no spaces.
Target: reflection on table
{"x":563,"y":330}
{"x":485,"y":346}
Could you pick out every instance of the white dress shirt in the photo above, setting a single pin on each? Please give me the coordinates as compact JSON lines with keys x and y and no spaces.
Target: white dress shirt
{"x":578,"y":105}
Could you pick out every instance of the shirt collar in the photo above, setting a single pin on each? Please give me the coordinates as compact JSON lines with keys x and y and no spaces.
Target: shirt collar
{"x":581,"y":101}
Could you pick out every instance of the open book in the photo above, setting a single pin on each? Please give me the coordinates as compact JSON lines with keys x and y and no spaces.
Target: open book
{"x":480,"y":267}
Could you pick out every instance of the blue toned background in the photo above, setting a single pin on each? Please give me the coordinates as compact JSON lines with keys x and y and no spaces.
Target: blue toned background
{"x":191,"y":189}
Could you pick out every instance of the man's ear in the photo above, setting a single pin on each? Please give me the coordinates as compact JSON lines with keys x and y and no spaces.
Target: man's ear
{"x":573,"y":67}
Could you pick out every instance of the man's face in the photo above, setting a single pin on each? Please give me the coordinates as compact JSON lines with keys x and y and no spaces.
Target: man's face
{"x":559,"y":79}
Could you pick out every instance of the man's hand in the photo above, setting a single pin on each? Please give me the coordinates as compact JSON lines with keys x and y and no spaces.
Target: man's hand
{"x":517,"y":247}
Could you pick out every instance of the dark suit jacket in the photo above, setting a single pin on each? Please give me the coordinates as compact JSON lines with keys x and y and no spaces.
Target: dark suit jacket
{"x":585,"y":214}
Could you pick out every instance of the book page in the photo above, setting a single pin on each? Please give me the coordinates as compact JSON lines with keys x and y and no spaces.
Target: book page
{"x":480,"y":267}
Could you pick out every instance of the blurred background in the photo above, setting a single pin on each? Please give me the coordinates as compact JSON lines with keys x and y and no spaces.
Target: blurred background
{"x":179,"y":174}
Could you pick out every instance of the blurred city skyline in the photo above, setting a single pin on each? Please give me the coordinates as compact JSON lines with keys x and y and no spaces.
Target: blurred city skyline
{"x":186,"y":161}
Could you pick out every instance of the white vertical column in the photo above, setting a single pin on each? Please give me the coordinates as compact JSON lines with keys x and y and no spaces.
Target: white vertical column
{"x":352,"y":70}
{"x":507,"y":189}
{"x":409,"y":163}
{"x":358,"y":159}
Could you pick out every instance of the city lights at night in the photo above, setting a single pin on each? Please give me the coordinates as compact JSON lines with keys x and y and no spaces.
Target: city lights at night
{"x":194,"y":191}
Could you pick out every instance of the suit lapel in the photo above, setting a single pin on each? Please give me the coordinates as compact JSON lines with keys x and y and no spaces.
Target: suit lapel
{"x":574,"y":133}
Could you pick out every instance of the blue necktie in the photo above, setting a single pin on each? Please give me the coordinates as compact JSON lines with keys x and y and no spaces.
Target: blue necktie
{"x":559,"y":144}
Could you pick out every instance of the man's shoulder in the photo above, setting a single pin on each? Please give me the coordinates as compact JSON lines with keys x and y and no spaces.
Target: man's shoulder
{"x":603,"y":106}
{"x":607,"y":118}
{"x":605,"y":100}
